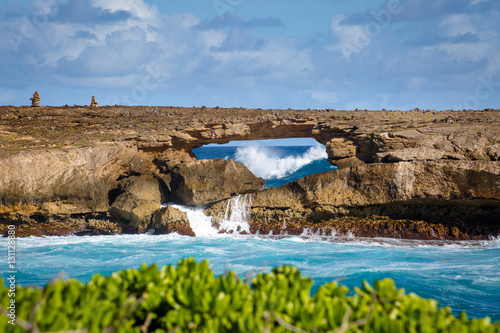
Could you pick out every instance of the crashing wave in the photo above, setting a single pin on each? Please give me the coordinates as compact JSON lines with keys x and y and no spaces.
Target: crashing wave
{"x":265,"y":162}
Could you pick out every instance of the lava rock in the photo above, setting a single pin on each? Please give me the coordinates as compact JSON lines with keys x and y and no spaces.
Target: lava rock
{"x":206,"y":181}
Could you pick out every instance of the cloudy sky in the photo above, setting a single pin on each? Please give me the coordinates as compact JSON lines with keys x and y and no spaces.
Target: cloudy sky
{"x":342,"y":54}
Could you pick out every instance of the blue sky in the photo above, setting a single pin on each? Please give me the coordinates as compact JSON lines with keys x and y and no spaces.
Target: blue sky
{"x":441,"y":54}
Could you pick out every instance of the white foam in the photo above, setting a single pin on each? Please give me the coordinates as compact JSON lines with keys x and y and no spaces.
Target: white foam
{"x":495,"y":242}
{"x":200,"y":223}
{"x":266,"y":163}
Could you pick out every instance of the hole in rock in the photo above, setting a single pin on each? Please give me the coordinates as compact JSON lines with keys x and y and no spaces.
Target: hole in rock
{"x":278,"y":161}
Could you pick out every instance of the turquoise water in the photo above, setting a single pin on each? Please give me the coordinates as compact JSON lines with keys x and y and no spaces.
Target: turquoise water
{"x":463,"y":275}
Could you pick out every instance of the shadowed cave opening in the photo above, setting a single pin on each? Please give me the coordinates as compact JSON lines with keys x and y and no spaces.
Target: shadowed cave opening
{"x":278,"y":161}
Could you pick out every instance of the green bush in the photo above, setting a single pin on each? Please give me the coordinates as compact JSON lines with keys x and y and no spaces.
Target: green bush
{"x":188,"y":298}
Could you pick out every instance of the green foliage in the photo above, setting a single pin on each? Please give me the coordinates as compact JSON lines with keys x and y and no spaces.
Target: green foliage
{"x":188,"y":298}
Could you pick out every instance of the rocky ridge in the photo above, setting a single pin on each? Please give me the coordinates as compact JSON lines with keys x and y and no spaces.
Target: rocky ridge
{"x":118,"y":165}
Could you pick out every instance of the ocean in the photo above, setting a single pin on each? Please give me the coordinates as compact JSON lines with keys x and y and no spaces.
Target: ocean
{"x":463,"y":275}
{"x":278,"y":165}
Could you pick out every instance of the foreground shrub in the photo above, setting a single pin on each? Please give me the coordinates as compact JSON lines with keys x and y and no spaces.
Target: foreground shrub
{"x":188,"y":298}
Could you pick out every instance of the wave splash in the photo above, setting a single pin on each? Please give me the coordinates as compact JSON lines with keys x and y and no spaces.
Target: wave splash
{"x":237,"y":214}
{"x":266,"y":163}
{"x":235,"y":221}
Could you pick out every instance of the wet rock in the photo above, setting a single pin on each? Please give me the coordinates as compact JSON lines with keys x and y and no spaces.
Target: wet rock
{"x":140,"y":198}
{"x":169,"y":219}
{"x":103,"y":227}
{"x":206,"y":181}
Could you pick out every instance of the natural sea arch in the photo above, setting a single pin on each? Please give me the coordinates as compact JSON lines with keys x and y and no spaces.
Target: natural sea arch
{"x":278,"y":161}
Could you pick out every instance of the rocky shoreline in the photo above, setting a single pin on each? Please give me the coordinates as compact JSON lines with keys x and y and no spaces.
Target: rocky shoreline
{"x":106,"y":170}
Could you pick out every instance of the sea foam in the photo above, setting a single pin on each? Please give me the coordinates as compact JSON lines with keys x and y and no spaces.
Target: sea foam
{"x":267,"y":163}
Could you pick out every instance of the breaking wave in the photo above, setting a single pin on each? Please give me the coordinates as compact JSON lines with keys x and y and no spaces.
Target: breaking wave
{"x":267,"y":162}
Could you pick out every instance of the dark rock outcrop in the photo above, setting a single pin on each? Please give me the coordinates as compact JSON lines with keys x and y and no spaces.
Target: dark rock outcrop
{"x":206,"y":181}
{"x":168,"y":219}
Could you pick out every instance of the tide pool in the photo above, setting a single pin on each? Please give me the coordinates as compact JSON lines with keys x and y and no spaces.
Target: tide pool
{"x":462,"y":275}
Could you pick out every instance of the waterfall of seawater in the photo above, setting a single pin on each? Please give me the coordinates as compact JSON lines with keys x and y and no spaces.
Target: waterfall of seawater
{"x":235,"y":220}
{"x":200,"y":223}
{"x":237,"y":214}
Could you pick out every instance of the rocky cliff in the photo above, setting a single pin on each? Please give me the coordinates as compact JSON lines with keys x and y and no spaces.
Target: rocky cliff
{"x":109,"y":169}
{"x":462,"y":198}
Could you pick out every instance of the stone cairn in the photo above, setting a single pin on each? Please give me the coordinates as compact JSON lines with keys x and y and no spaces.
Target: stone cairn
{"x":93,"y":103}
{"x":35,"y":100}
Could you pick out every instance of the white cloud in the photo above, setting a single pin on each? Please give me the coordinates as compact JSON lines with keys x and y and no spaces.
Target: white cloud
{"x":139,"y":8}
{"x":457,"y":24}
{"x":324,"y":96}
{"x":108,"y":44}
{"x":277,"y":59}
{"x":212,"y":38}
{"x":351,"y":37}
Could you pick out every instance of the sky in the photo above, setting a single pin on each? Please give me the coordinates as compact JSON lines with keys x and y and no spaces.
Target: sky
{"x":441,"y":54}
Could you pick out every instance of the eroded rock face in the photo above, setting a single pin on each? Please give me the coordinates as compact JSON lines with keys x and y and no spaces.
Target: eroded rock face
{"x":417,"y":154}
{"x":73,"y":181}
{"x":168,"y":219}
{"x":421,"y":148}
{"x":206,"y":181}
{"x":141,"y":197}
{"x":460,"y":192}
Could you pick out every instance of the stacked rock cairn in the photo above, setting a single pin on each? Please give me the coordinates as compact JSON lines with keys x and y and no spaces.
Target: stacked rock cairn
{"x":35,"y":100}
{"x":93,"y":103}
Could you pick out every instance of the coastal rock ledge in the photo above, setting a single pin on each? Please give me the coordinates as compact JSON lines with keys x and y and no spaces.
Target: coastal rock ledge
{"x":462,"y":199}
{"x":415,"y":174}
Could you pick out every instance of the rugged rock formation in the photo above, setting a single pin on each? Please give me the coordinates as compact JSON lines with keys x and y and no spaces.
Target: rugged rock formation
{"x":202,"y":182}
{"x":138,"y":199}
{"x":93,"y":103}
{"x":416,"y":154}
{"x":460,"y":194}
{"x":73,"y":165}
{"x":169,"y":219}
{"x":125,"y":184}
{"x":35,"y":100}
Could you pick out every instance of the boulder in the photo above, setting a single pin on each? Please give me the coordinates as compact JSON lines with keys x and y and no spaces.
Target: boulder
{"x":340,"y":148}
{"x":206,"y":181}
{"x":347,"y":162}
{"x":169,"y":219}
{"x":140,"y":198}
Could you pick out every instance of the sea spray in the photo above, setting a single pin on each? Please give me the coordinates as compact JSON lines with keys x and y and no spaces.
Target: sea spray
{"x":236,"y":217}
{"x":266,"y":162}
{"x":237,"y":214}
{"x":200,"y":223}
